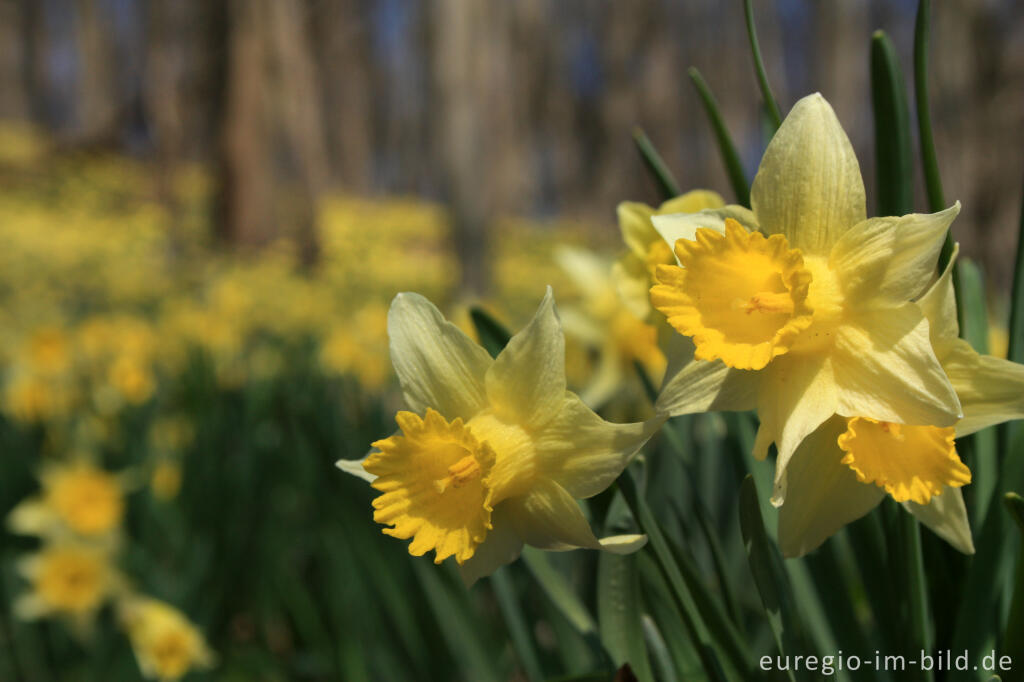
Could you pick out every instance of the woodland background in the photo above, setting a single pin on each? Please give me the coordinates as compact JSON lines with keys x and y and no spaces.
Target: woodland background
{"x":289,"y":98}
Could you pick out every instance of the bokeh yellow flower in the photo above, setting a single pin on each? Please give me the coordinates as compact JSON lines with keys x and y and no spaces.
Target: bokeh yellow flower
{"x":66,"y":579}
{"x":77,"y":497}
{"x":166,"y":644}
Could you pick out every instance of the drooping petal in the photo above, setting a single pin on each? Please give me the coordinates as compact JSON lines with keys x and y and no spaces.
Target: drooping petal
{"x":887,"y":370}
{"x":946,"y":516}
{"x":823,"y":494}
{"x":890,"y":260}
{"x":502,"y":546}
{"x":676,"y":226}
{"x":547,"y":517}
{"x":703,"y":386}
{"x":809,"y":186}
{"x":797,"y":394}
{"x":991,"y":389}
{"x":582,"y":452}
{"x":526,"y":383}
{"x":437,"y":365}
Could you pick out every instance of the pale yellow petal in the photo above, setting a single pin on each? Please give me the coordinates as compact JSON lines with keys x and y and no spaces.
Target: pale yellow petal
{"x":526,"y":383}
{"x":437,"y":365}
{"x":823,"y":495}
{"x":547,"y":517}
{"x":606,"y":380}
{"x":991,"y":389}
{"x":632,"y":282}
{"x":692,"y":201}
{"x":355,"y":467}
{"x":702,"y":386}
{"x":886,"y":370}
{"x":32,"y":517}
{"x":585,"y":268}
{"x":501,"y":546}
{"x":809,"y":186}
{"x":939,"y":307}
{"x":623,"y":544}
{"x":584,"y":453}
{"x":887,"y":261}
{"x":946,"y":516}
{"x":797,"y":394}
{"x":635,"y":224}
{"x":673,"y":227}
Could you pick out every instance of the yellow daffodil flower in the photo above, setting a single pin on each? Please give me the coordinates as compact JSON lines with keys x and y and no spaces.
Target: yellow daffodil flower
{"x":634,"y":271}
{"x":167,"y":646}
{"x":848,"y":465}
{"x":77,"y":497}
{"x":67,"y":579}
{"x":802,"y":308}
{"x":604,"y":322}
{"x":494,"y":452}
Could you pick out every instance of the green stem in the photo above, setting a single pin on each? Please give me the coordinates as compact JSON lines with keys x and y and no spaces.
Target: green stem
{"x":730,"y":157}
{"x":655,"y":165}
{"x":770,"y":104}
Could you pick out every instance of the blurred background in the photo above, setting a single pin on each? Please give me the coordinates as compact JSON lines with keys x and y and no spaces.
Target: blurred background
{"x":206,"y":206}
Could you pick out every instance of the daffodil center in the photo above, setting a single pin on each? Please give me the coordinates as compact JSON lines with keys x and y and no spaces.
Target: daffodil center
{"x":436,"y":485}
{"x":825,"y":298}
{"x":740,"y":295}
{"x":912,"y":463}
{"x":89,"y":501}
{"x":71,"y":579}
{"x":462,"y":472}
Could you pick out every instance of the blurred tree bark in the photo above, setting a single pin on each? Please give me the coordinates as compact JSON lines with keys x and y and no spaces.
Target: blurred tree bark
{"x":97,"y":96}
{"x":162,"y":102}
{"x":246,"y":215}
{"x":271,"y":113}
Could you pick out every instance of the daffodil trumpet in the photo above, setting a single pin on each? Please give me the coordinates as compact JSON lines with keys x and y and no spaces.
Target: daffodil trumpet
{"x":802,"y":307}
{"x":493,"y":453}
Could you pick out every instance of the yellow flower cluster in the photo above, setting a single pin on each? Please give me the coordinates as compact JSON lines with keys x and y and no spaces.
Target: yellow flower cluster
{"x":77,"y":517}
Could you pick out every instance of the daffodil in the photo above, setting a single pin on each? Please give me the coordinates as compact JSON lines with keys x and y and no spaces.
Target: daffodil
{"x":166,"y":644}
{"x":603,"y":322}
{"x":849,"y":464}
{"x":67,"y":579}
{"x":493,"y":452}
{"x":78,"y":498}
{"x":634,"y":271}
{"x":802,"y":307}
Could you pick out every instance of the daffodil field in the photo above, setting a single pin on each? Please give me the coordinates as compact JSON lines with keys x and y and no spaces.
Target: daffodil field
{"x":767,"y":435}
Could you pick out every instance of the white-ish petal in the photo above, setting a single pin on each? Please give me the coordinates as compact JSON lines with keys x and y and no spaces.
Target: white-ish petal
{"x":526,"y":383}
{"x":809,"y":186}
{"x":823,"y":495}
{"x":946,"y":516}
{"x":355,"y":467}
{"x":676,"y":226}
{"x":437,"y":365}
{"x":584,"y":453}
{"x":887,"y":261}
{"x":623,"y":544}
